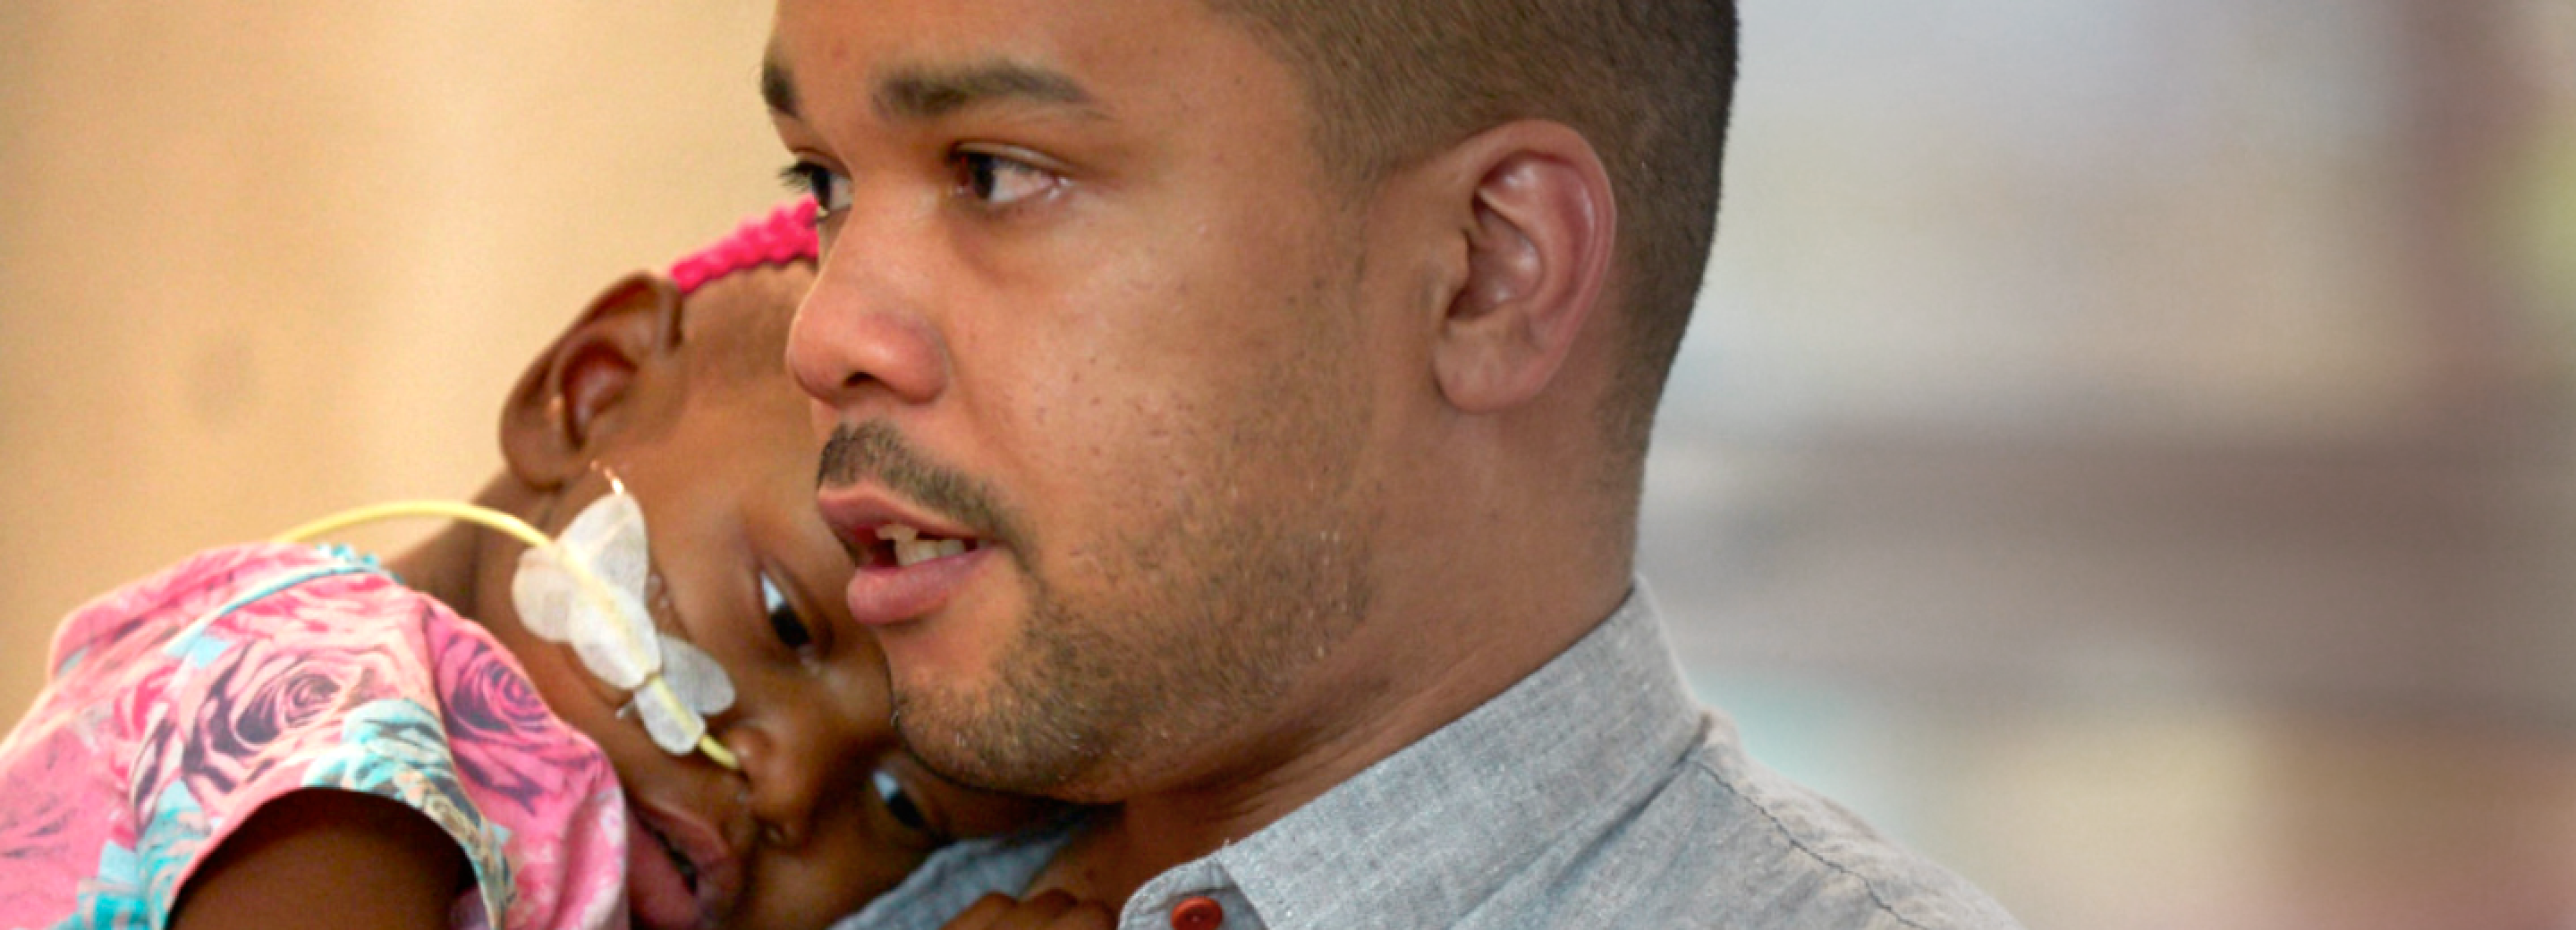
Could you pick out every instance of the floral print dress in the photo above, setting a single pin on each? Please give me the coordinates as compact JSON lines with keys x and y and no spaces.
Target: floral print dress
{"x":180,"y":704}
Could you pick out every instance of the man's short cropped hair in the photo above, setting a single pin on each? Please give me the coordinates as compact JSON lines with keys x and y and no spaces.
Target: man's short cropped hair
{"x":1647,"y":82}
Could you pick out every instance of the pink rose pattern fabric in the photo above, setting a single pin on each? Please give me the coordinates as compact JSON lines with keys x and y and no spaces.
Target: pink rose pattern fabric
{"x":180,"y":704}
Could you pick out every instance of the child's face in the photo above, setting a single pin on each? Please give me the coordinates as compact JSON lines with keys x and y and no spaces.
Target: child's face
{"x":828,"y":811}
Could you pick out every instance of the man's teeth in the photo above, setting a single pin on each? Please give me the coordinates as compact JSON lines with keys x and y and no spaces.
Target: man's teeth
{"x":910,"y":549}
{"x":912,"y":552}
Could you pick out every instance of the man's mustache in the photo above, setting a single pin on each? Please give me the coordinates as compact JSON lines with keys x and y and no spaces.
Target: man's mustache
{"x":873,"y":452}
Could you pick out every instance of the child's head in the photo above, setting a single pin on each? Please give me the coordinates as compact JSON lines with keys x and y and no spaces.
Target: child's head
{"x":676,"y":386}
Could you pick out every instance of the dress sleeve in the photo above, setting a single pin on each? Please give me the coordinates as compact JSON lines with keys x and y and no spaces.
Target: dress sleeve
{"x":339,"y":682}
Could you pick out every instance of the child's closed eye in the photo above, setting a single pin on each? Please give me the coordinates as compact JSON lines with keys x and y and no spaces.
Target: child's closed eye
{"x":784,"y":622}
{"x":902,"y":805}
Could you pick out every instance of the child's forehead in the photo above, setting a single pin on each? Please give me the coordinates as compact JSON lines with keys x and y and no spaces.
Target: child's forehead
{"x":739,"y":293}
{"x":739,"y":323}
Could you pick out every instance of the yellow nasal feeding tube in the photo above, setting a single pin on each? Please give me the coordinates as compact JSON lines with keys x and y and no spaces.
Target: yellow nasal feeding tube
{"x":507,"y":524}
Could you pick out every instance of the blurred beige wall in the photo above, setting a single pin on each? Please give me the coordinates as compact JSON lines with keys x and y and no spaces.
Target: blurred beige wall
{"x":2127,"y":448}
{"x":263,"y":261}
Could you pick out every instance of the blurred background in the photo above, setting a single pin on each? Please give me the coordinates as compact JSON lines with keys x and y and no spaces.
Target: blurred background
{"x":2125,"y":449}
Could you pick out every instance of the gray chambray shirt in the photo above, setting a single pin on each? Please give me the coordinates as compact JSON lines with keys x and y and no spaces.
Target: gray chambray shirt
{"x":1594,"y":793}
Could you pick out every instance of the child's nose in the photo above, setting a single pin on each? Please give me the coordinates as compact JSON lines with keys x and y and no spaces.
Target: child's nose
{"x":792,"y":760}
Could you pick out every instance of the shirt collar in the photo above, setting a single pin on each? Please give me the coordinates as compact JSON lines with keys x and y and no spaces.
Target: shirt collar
{"x":1426,"y":834}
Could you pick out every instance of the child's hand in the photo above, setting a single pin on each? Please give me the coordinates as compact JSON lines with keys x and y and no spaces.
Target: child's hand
{"x":1049,"y":910}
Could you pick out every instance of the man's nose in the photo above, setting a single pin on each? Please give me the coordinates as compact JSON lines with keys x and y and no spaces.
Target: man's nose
{"x":863,"y":335}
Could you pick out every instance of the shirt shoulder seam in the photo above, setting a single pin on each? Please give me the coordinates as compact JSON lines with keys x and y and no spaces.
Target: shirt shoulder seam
{"x":1800,"y":844}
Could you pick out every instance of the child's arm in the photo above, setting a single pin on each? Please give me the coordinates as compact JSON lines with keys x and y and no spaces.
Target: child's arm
{"x":327,"y":859}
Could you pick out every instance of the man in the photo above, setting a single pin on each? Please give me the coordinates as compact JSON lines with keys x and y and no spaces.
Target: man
{"x":1238,"y":408}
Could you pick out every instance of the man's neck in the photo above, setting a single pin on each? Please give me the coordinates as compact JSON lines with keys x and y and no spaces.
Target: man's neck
{"x":1363,"y":722}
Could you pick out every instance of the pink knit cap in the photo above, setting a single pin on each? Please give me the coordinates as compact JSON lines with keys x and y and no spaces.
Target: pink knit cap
{"x":783,"y":236}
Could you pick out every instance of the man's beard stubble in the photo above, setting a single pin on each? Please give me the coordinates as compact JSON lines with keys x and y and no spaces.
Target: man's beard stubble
{"x":1219,"y":612}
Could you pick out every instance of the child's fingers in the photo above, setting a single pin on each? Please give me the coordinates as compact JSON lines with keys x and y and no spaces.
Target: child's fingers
{"x":982,"y":914}
{"x":1086,"y":915}
{"x":1049,"y":910}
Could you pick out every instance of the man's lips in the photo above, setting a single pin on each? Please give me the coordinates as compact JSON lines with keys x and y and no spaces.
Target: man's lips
{"x":681,"y":874}
{"x":910,"y":561}
{"x":857,"y":511}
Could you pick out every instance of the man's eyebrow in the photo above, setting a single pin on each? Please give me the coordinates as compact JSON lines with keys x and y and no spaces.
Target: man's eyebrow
{"x":921,"y":94}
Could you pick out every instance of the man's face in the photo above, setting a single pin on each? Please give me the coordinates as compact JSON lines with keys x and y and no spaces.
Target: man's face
{"x":1086,"y":307}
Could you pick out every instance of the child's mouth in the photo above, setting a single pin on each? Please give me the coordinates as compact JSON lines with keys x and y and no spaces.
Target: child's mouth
{"x":677,"y":879}
{"x":680,"y":860}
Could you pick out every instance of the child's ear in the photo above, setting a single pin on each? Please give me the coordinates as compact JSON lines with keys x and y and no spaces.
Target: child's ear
{"x":574,"y":390}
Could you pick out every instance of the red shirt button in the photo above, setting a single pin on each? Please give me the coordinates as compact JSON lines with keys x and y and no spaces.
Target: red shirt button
{"x":1198,"y":914}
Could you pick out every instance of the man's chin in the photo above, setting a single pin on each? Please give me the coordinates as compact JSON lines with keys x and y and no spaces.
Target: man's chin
{"x":996,"y":746}
{"x":951,"y":656}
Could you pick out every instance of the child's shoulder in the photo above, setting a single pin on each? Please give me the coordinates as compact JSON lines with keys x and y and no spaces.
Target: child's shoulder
{"x":237,"y":586}
{"x":243,"y":674}
{"x":149,"y":610}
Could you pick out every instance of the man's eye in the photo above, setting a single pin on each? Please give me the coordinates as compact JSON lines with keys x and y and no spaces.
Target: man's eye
{"x":999,"y":181}
{"x":782,"y":617}
{"x":830,"y":189}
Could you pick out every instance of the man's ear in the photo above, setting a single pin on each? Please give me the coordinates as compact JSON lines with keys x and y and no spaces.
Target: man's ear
{"x":1539,"y":225}
{"x":573,"y":392}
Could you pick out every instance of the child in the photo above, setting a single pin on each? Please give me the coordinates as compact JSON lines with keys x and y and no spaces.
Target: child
{"x":282,"y":735}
